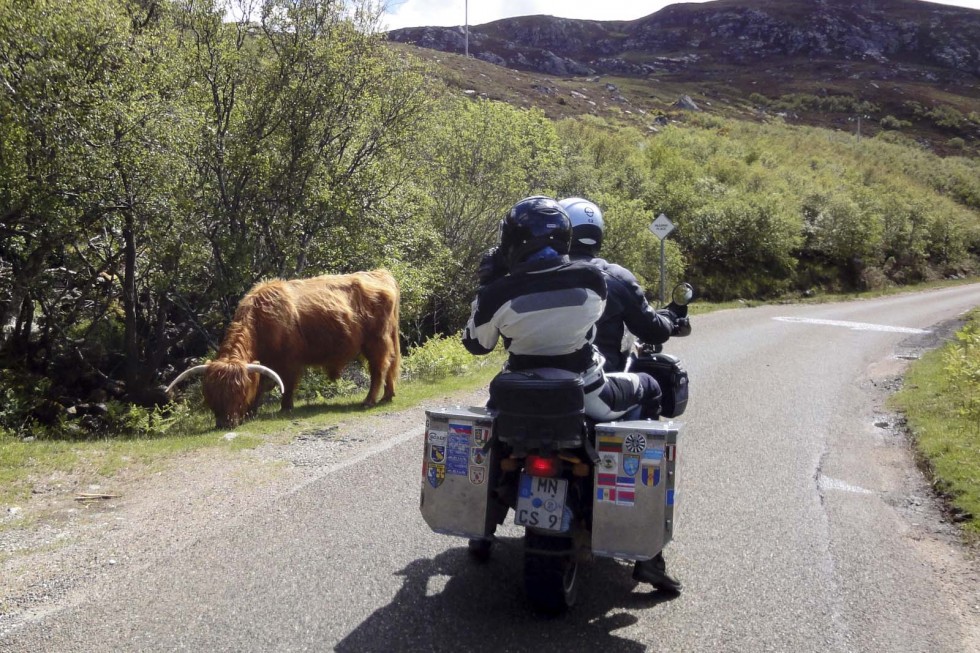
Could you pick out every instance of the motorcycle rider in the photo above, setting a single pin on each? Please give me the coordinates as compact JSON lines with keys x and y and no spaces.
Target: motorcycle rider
{"x":627,"y":312}
{"x":545,"y":307}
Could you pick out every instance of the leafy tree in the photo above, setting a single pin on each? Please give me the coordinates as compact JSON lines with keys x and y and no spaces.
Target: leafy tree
{"x":88,"y":169}
{"x":482,"y":156}
{"x":306,"y":121}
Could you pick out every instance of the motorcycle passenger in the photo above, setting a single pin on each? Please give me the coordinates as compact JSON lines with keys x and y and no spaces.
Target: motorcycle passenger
{"x":545,"y":307}
{"x":627,"y":312}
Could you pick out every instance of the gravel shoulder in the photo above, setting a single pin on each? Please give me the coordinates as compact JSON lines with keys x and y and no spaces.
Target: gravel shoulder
{"x":55,"y":546}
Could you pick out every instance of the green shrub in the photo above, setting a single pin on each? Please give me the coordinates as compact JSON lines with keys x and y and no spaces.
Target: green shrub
{"x":437,"y":358}
{"x":891,"y":122}
{"x":136,"y":421}
{"x":962,"y":364}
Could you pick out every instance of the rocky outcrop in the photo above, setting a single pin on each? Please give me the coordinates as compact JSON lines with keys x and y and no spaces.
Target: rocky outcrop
{"x":890,"y":32}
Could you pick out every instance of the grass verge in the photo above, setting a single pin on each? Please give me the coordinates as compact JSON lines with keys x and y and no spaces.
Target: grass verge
{"x":24,"y":464}
{"x":941,"y":401}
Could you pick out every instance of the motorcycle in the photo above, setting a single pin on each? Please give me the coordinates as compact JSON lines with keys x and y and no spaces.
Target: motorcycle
{"x":579,"y":488}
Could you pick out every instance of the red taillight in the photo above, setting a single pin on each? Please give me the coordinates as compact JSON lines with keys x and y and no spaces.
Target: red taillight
{"x":540,"y":466}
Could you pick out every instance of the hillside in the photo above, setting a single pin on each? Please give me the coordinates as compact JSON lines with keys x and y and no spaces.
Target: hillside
{"x":859,"y":65}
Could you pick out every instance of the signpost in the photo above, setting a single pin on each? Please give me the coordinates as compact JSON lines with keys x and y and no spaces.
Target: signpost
{"x":661,"y":228}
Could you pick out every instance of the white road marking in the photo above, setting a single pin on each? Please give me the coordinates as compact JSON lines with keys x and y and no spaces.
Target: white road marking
{"x":826,"y":483}
{"x":380,"y":447}
{"x":857,"y":326}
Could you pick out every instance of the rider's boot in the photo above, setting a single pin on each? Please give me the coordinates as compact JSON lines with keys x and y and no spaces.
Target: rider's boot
{"x":481,"y":547}
{"x":654,"y":571}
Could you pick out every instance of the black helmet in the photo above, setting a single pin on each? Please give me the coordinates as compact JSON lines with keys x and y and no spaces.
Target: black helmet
{"x":587,"y":225}
{"x":533,"y":224}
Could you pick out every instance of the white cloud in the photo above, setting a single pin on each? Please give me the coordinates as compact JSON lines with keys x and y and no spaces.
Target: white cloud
{"x":410,"y":13}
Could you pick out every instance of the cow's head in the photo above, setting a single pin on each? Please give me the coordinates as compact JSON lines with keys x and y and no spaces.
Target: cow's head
{"x":230,"y":388}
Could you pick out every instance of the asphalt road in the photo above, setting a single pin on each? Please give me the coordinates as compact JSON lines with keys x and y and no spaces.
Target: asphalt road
{"x":802,"y":526}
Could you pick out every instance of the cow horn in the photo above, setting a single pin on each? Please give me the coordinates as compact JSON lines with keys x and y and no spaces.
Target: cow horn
{"x":197,"y":369}
{"x":262,"y":369}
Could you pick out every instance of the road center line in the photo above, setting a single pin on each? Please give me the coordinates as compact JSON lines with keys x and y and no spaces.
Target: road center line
{"x":856,"y":326}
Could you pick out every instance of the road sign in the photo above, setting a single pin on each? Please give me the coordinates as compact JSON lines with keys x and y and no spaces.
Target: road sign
{"x":661,"y":227}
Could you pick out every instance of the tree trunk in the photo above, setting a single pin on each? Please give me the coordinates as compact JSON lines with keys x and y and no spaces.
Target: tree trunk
{"x":130,"y":340}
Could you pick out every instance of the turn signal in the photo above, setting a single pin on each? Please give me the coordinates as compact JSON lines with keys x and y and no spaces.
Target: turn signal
{"x":540,"y":466}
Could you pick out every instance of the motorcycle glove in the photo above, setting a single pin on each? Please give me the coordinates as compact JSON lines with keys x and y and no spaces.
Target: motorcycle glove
{"x":677,"y":309}
{"x":491,"y":267}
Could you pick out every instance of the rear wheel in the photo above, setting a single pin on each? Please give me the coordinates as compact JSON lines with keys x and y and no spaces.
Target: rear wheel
{"x":550,"y":573}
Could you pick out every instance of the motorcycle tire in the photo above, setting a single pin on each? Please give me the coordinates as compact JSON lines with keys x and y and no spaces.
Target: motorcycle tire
{"x":550,"y":573}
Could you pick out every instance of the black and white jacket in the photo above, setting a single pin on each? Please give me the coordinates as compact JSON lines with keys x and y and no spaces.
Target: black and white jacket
{"x":545,"y":312}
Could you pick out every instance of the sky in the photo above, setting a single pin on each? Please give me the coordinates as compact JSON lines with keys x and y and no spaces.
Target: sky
{"x":412,"y":13}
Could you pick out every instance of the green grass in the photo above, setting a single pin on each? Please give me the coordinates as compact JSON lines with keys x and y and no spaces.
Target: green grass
{"x":941,"y":401}
{"x":25,"y":464}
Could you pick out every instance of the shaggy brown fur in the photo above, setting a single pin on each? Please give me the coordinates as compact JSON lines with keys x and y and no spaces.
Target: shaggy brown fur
{"x":288,"y":326}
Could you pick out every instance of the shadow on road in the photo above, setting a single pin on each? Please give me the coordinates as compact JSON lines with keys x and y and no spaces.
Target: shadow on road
{"x":451,"y":602}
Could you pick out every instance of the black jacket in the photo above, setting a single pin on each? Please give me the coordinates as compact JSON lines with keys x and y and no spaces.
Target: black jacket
{"x":626,"y":308}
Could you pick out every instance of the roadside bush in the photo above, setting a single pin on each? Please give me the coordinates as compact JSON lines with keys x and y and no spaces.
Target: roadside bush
{"x":139,"y":422}
{"x":962,"y":363}
{"x":24,"y":408}
{"x":438,"y":358}
{"x":875,"y":279}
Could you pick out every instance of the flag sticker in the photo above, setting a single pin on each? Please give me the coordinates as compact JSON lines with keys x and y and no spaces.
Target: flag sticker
{"x":671,"y":452}
{"x":610,"y":443}
{"x":606,"y":479}
{"x":461,"y":429}
{"x":625,"y":490}
{"x":655,"y":454}
{"x":605,"y":494}
{"x":625,"y":497}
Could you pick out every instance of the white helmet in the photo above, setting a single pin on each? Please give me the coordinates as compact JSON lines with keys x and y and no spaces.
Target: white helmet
{"x":587,"y":224}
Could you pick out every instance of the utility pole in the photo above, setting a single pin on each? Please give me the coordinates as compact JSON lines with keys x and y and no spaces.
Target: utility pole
{"x":466,"y":28}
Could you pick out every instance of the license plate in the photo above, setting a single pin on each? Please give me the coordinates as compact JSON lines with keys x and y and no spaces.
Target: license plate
{"x":541,"y":503}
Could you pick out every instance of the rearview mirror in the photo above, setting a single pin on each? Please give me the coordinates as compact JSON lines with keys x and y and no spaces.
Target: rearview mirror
{"x":682,"y":294}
